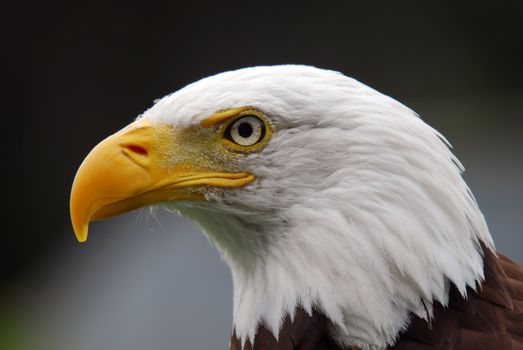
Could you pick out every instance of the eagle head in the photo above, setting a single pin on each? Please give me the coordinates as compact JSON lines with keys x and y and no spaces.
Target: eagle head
{"x":319,"y":192}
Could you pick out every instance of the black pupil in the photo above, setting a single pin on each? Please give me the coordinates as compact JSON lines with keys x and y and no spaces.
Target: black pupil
{"x":245,"y":130}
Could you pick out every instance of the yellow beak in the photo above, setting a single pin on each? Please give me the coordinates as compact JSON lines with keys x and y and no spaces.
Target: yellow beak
{"x":131,"y":169}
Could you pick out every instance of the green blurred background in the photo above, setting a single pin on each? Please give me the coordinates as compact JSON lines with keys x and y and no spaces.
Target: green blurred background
{"x":77,"y":72}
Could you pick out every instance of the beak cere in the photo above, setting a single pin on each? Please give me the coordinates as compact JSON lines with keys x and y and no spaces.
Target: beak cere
{"x":128,"y":170}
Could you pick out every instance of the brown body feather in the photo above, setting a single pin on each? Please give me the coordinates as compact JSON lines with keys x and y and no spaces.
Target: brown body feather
{"x":489,"y":319}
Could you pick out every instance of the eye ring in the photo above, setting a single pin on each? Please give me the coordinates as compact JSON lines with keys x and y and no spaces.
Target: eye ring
{"x":248,"y":130}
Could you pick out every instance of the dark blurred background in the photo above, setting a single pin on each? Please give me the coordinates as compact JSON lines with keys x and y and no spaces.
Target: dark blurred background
{"x":77,"y":72}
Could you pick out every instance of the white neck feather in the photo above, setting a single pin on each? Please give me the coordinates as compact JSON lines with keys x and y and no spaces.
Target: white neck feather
{"x":363,"y":264}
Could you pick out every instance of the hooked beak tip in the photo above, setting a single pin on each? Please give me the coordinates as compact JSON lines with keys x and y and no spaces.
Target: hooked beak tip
{"x":80,"y":231}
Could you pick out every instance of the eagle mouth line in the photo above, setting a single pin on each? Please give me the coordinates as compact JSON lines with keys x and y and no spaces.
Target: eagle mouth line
{"x":210,"y":179}
{"x":179,"y":188}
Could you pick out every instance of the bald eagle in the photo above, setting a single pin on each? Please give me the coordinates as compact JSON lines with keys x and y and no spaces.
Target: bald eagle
{"x":343,"y":217}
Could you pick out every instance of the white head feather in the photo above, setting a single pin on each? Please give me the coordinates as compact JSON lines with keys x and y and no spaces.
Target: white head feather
{"x":359,"y":209}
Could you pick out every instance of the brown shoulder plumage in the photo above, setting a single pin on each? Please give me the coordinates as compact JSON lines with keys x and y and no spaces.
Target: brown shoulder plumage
{"x":489,"y":319}
{"x":304,"y":332}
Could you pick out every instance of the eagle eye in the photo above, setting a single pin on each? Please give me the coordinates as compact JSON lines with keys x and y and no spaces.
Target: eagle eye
{"x":247,"y":130}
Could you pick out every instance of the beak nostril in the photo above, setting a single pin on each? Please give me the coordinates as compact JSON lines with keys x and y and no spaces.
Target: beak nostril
{"x":136,"y":149}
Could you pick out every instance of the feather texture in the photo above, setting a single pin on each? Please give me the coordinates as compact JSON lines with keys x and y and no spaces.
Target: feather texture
{"x":359,"y":209}
{"x":489,"y":319}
